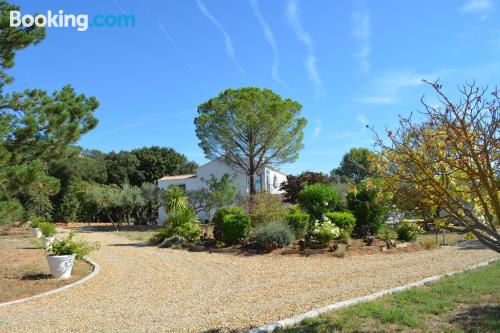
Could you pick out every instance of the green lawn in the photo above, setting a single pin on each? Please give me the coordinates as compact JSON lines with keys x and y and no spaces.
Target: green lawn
{"x":469,"y":302}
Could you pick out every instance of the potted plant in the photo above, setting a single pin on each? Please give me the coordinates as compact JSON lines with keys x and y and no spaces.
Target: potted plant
{"x":63,"y":252}
{"x":48,"y":231}
{"x":34,"y":225}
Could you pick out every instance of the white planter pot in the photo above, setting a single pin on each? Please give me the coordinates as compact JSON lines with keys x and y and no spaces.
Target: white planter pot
{"x":61,"y":266}
{"x":36,"y":232}
{"x":47,"y":241}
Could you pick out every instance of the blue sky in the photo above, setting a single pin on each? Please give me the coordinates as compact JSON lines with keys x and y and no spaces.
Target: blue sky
{"x":348,"y":63}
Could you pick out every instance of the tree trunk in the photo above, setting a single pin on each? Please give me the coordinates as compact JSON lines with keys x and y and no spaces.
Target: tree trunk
{"x":251,"y":178}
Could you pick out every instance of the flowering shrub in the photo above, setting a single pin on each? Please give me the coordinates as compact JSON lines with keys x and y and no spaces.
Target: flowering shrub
{"x":344,"y":220}
{"x":325,"y":231}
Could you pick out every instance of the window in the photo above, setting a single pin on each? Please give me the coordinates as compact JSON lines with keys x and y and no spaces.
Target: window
{"x":181,"y":186}
{"x":275,"y":181}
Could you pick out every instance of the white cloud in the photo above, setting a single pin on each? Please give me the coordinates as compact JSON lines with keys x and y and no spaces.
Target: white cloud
{"x":139,"y":124}
{"x":362,"y":32}
{"x":317,"y":130}
{"x":310,"y":62}
{"x":476,"y":7}
{"x":227,"y":39}
{"x":167,"y":35}
{"x":268,"y":33}
{"x":385,"y":88}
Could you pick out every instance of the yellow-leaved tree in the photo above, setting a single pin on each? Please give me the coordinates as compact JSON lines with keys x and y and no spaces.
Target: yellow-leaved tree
{"x":450,"y":161}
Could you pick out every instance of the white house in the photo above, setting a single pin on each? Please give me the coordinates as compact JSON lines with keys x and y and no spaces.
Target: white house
{"x":268,"y":179}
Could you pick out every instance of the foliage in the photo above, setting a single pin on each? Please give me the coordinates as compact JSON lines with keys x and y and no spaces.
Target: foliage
{"x":220,"y":244}
{"x":69,"y":246}
{"x":99,"y":199}
{"x":235,"y":227}
{"x":129,"y":200}
{"x":36,"y":127}
{"x":146,"y":164}
{"x":218,"y":193}
{"x":35,"y":222}
{"x":387,"y":234}
{"x":70,"y":205}
{"x":148,"y":212}
{"x":317,"y":199}
{"x":184,"y":223}
{"x":274,"y":233}
{"x":408,"y":231}
{"x":156,"y":162}
{"x":451,"y":159}
{"x":174,"y":199}
{"x":10,"y":211}
{"x":48,"y":229}
{"x":370,"y":207}
{"x":122,"y":167}
{"x":355,"y":165}
{"x":344,"y":220}
{"x":298,"y":221}
{"x":160,"y":236}
{"x":469,"y":237}
{"x":38,"y":204}
{"x":223,"y":211}
{"x":266,"y":207}
{"x":294,"y":184}
{"x":325,"y":231}
{"x":250,"y":128}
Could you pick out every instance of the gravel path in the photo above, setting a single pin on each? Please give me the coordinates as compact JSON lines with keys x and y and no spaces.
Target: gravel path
{"x":147,"y":289}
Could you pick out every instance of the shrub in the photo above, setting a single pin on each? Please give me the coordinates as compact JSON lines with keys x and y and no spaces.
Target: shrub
{"x":370,"y":208}
{"x":325,"y":231}
{"x":469,"y":236}
{"x":235,"y":227}
{"x":10,"y":212}
{"x":387,"y":234}
{"x":298,"y":221}
{"x":408,"y":231}
{"x":159,"y":236}
{"x":344,"y":220}
{"x":48,"y":229}
{"x":318,"y":198}
{"x":221,"y":212}
{"x":274,"y":232}
{"x":68,"y":246}
{"x":267,"y":207}
{"x":35,"y":222}
{"x":183,"y":223}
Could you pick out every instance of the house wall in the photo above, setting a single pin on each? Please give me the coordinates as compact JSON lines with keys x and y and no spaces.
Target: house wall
{"x":218,"y":169}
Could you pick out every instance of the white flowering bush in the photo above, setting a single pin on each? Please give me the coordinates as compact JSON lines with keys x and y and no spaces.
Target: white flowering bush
{"x":325,"y":231}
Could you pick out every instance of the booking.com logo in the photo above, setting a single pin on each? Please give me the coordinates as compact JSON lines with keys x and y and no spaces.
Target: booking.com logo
{"x":60,"y":20}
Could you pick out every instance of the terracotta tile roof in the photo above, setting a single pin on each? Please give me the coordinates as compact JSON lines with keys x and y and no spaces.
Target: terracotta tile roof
{"x":178,"y":177}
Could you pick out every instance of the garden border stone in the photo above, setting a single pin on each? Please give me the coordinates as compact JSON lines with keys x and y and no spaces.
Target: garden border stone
{"x":296,"y":320}
{"x":96,"y":269}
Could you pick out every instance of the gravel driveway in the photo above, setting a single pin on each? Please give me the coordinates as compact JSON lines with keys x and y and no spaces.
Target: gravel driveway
{"x":147,"y":289}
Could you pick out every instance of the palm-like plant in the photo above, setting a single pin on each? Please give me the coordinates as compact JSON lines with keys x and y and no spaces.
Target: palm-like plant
{"x":174,"y":199}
